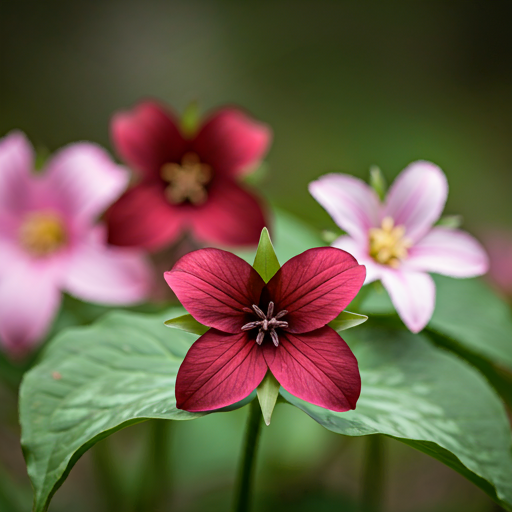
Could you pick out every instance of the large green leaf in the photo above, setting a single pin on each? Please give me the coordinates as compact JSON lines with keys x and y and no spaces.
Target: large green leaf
{"x":93,"y":381}
{"x":428,"y":399}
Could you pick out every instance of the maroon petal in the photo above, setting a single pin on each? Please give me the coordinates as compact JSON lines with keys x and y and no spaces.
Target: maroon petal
{"x":317,"y":366}
{"x":147,"y":137}
{"x":214,"y":286}
{"x":231,"y":216}
{"x":143,"y":218}
{"x":219,"y":370}
{"x":231,"y":142}
{"x":315,"y":287}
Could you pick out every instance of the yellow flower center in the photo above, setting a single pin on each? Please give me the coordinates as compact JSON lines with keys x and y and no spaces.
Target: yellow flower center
{"x":42,"y":233}
{"x":388,"y":244}
{"x":187,"y":181}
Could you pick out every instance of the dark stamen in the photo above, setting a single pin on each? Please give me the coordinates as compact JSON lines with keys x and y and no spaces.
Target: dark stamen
{"x":267,"y":324}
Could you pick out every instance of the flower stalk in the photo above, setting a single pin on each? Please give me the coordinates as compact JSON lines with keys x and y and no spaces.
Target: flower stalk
{"x":373,"y":475}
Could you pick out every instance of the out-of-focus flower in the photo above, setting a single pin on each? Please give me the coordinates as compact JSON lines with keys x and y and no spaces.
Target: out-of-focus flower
{"x":50,"y":241}
{"x":255,"y":326}
{"x":396,"y":240}
{"x":499,"y":246}
{"x":187,"y":184}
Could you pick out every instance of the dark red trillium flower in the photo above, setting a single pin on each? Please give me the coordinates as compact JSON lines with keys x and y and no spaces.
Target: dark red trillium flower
{"x":255,"y":326}
{"x":187,"y":184}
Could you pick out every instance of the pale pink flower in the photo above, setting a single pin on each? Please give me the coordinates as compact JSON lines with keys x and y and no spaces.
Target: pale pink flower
{"x":50,"y":239}
{"x":498,"y":243}
{"x":396,"y":240}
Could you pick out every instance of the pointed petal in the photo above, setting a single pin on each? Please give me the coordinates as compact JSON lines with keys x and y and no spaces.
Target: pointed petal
{"x":318,"y":367}
{"x":106,"y":274}
{"x":231,"y":216}
{"x":315,"y":287}
{"x":29,"y":300}
{"x":360,"y":252}
{"x":417,"y":197}
{"x":351,"y":203}
{"x":450,"y":252}
{"x":85,"y":179}
{"x":219,"y":370}
{"x":16,"y":164}
{"x":232,"y":143}
{"x":147,"y":137}
{"x":413,"y":294}
{"x":143,"y":218}
{"x":214,"y":286}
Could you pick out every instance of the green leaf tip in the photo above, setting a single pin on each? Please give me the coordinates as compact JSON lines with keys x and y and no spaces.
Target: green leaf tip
{"x":268,"y":391}
{"x":190,"y":119}
{"x":186,"y":323}
{"x":346,"y":320}
{"x":266,"y":262}
{"x":378,"y":182}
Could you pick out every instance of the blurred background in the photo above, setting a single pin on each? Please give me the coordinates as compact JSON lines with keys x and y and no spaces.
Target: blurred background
{"x":344,"y":86}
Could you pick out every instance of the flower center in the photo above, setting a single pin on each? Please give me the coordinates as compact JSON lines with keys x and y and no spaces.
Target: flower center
{"x":388,"y":244}
{"x":42,"y":233}
{"x":267,"y":324}
{"x":187,"y":181}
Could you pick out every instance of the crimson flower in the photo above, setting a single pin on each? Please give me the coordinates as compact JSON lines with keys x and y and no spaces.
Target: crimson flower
{"x":187,"y":183}
{"x":255,"y":326}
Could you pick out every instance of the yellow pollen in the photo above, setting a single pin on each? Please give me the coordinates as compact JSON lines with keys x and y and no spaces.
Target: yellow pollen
{"x":42,"y":233}
{"x":187,"y":181}
{"x":388,"y":244}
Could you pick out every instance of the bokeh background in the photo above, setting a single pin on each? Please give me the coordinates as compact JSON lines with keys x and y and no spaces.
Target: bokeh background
{"x":344,"y":86}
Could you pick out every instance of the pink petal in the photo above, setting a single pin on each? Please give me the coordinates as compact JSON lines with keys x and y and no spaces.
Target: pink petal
{"x":143,"y":218}
{"x":29,"y":300}
{"x":214,"y":286}
{"x":16,"y":164}
{"x":360,"y":252}
{"x":351,"y":203}
{"x":85,"y":179}
{"x":315,"y":287}
{"x":317,"y":366}
{"x":219,"y":370}
{"x":147,"y":137}
{"x":231,"y":216}
{"x":106,"y":274}
{"x":417,"y":197}
{"x":413,"y":294}
{"x":232,"y":143}
{"x":499,"y":244}
{"x":450,"y":252}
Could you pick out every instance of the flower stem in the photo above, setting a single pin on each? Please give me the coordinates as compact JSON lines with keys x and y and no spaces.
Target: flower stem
{"x":373,"y":475}
{"x":246,"y":468}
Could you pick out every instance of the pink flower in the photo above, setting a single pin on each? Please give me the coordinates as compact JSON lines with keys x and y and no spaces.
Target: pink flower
{"x":396,"y":240}
{"x":499,"y":245}
{"x":50,"y":241}
{"x":187,"y":184}
{"x":255,"y":326}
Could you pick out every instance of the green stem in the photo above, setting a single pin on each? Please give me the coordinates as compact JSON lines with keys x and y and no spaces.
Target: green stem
{"x":246,"y":469}
{"x":373,"y":475}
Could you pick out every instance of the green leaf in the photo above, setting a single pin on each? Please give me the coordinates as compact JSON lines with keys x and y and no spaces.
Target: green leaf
{"x":92,"y":382}
{"x":346,"y":320}
{"x":265,"y":261}
{"x":186,"y":323}
{"x":378,"y":182}
{"x":268,"y":391}
{"x":430,"y":400}
{"x":190,"y":120}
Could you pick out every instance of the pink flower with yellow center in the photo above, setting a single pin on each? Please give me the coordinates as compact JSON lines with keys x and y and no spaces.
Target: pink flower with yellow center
{"x":50,"y":239}
{"x":187,"y":184}
{"x":396,"y":240}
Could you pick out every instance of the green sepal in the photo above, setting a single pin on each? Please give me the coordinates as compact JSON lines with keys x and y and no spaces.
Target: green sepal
{"x":347,"y":320}
{"x":190,"y":120}
{"x":268,"y":391}
{"x":378,"y":182}
{"x":265,"y":261}
{"x":186,"y":323}
{"x":256,"y":176}
{"x":450,"y":221}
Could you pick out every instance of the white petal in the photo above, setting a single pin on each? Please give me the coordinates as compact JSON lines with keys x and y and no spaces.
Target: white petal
{"x":450,"y":252}
{"x":413,"y":294}
{"x":352,"y":204}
